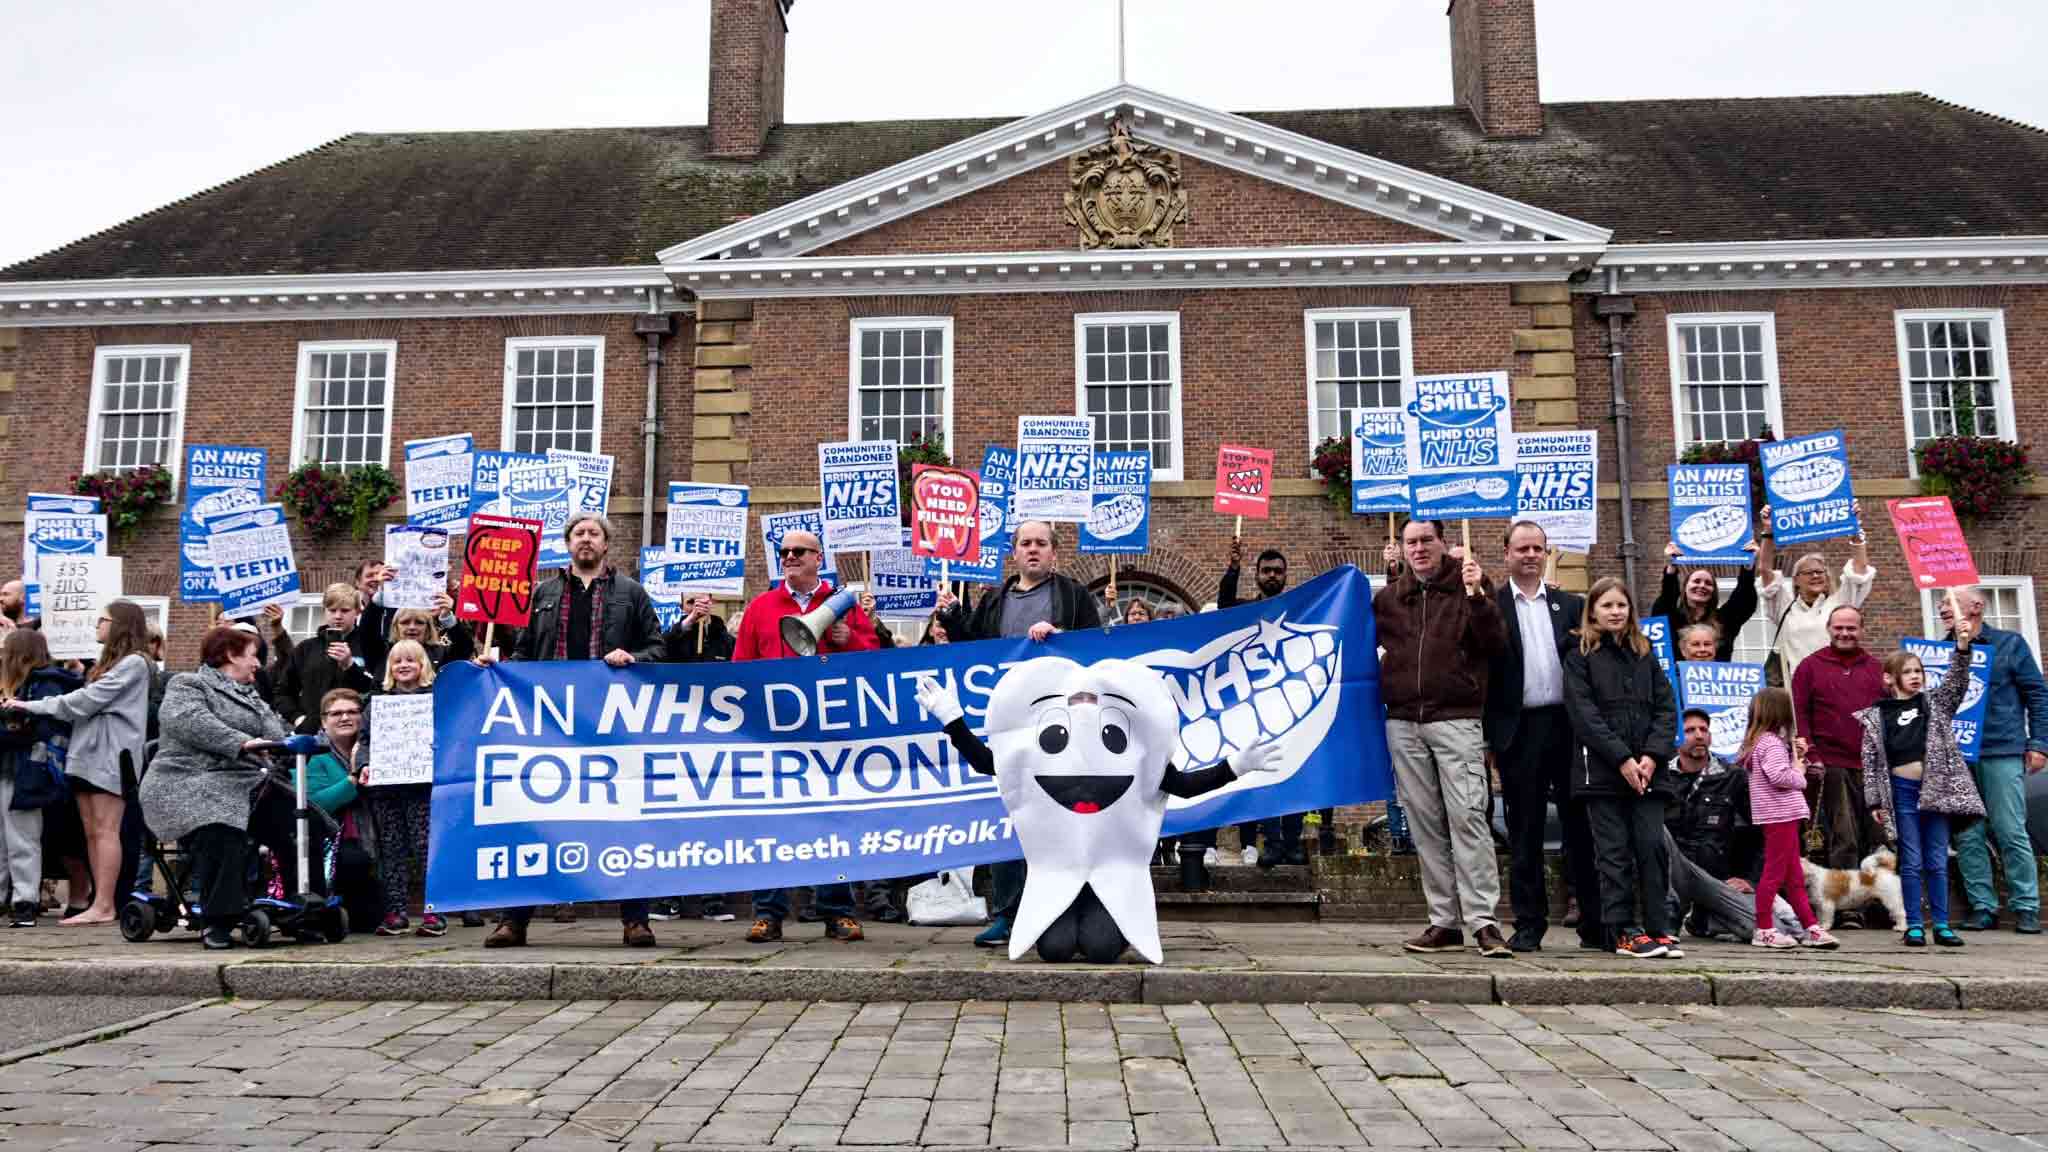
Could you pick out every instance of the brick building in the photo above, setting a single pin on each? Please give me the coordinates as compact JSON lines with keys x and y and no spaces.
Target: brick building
{"x":711,"y":301}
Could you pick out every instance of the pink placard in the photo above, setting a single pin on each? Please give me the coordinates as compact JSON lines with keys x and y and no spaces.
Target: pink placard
{"x":1936,"y":553}
{"x":1244,"y":481}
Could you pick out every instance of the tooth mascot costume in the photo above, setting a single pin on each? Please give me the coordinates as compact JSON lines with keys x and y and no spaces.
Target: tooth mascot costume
{"x":1082,"y":760}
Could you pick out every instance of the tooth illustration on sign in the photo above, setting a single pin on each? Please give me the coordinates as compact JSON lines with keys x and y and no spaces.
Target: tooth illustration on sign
{"x":1251,"y":482}
{"x":1711,"y":529}
{"x":1807,"y":479}
{"x":1116,"y":517}
{"x":1083,"y":760}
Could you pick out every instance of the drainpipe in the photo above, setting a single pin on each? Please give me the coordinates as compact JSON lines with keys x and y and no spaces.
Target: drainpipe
{"x":1617,"y":309}
{"x":653,"y":326}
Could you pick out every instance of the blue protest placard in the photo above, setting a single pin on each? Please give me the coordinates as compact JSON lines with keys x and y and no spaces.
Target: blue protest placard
{"x":591,"y":475}
{"x":1379,"y":461}
{"x":1806,"y":480}
{"x":862,"y":501}
{"x":220,"y":480}
{"x":1120,"y":521}
{"x":707,"y":536}
{"x":896,"y":577}
{"x":488,"y":477}
{"x":567,"y":781}
{"x":998,"y":490}
{"x":1657,"y":629}
{"x":1710,"y":513}
{"x":1055,"y":464}
{"x":658,"y":575}
{"x":1936,"y":657}
{"x":56,"y":525}
{"x":438,"y":473}
{"x":774,"y":526}
{"x":545,"y":492}
{"x":1723,"y":692}
{"x":1461,"y":445}
{"x":986,"y":568}
{"x":252,"y":558}
{"x":1557,"y":474}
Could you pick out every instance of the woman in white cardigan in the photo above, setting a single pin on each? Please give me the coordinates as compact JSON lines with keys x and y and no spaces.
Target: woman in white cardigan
{"x":108,"y":717}
{"x":1799,"y":605}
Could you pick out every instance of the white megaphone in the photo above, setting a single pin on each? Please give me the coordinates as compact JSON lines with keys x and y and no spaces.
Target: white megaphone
{"x":802,"y":634}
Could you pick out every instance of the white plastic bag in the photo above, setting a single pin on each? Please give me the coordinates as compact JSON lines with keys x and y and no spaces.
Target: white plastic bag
{"x":947,"y":898}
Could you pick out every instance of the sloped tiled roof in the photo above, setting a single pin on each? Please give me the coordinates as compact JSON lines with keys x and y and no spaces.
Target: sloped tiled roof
{"x":1833,"y":167}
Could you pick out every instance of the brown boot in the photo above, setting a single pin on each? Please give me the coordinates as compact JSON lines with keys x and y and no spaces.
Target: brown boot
{"x":508,"y":934}
{"x":1490,"y":943}
{"x":765,"y":931}
{"x":843,"y":928}
{"x":1435,"y":939}
{"x":639,"y":935}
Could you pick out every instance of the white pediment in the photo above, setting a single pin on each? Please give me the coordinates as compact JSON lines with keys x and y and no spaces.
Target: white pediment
{"x":1456,"y":211}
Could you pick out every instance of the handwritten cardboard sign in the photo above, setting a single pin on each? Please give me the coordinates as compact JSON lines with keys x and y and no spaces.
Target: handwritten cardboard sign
{"x":498,"y":559}
{"x":402,"y":741}
{"x":1936,"y":553}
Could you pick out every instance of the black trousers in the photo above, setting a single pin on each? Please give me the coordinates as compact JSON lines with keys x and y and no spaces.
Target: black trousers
{"x":1534,"y":771}
{"x":221,"y":857}
{"x":1628,"y":850}
{"x":1085,"y":931}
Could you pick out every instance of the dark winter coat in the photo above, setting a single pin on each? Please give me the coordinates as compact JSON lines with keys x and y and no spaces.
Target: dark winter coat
{"x":1073,"y":606}
{"x":1437,"y":643}
{"x":1621,"y":707}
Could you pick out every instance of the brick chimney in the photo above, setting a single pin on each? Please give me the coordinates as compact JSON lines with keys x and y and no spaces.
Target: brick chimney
{"x":1493,"y":65}
{"x":746,"y":73}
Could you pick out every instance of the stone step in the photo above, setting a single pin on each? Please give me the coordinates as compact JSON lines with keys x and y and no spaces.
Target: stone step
{"x":1238,"y":907}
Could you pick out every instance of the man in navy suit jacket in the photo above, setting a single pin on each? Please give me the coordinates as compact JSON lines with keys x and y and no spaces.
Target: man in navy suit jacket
{"x":1529,"y":739}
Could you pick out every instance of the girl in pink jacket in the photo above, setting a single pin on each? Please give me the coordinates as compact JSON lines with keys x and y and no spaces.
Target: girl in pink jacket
{"x":1777,"y":803}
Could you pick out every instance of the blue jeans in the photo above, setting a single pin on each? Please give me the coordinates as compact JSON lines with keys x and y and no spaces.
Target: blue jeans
{"x":1923,"y":854}
{"x":833,"y":901}
{"x":2002,"y":782}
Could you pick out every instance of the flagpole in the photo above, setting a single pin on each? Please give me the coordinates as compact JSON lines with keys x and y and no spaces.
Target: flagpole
{"x":1119,"y":41}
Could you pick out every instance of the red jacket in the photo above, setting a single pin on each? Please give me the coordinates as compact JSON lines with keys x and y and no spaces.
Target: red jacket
{"x":760,"y":636}
{"x":1828,"y":689}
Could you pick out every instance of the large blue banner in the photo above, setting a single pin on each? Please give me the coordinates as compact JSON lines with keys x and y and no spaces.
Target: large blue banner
{"x":573,"y":781}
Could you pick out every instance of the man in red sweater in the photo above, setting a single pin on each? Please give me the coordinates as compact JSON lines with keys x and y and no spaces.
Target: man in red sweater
{"x":1828,"y":689}
{"x":760,"y":638}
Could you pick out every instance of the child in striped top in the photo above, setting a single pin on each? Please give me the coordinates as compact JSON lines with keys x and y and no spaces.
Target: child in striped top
{"x":1777,"y":803}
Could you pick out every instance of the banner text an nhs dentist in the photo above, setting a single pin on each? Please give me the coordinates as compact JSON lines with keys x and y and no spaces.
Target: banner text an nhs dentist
{"x":570,"y":781}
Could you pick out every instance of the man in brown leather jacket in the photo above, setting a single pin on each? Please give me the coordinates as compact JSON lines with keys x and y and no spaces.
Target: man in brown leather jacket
{"x":1439,"y":626}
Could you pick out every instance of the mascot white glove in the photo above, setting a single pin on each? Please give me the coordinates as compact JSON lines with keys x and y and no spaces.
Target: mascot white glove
{"x":1265,"y":756}
{"x":941,"y":702}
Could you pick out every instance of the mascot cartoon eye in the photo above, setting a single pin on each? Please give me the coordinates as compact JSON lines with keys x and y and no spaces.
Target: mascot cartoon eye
{"x":1052,"y":731}
{"x":1116,"y":732}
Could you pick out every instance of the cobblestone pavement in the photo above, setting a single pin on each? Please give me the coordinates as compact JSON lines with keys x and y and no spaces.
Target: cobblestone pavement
{"x":645,"y":1074}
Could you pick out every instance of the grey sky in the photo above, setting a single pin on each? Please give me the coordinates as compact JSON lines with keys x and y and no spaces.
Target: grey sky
{"x":114,"y":108}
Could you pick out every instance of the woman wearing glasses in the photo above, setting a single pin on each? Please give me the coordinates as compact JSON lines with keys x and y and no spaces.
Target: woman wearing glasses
{"x":109,"y":717}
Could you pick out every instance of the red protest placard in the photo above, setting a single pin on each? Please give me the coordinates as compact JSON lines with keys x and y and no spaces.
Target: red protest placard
{"x":945,"y":513}
{"x":1244,"y":481}
{"x":497,"y":570}
{"x":1936,"y":552}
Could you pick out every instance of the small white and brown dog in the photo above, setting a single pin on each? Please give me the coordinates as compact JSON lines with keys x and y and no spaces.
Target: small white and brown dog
{"x":1876,"y":881}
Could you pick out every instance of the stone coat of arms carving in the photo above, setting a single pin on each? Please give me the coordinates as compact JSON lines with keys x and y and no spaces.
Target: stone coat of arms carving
{"x":1125,"y":194}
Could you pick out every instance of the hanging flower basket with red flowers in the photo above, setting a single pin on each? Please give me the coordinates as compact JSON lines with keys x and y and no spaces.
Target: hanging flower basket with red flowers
{"x":126,"y":497}
{"x":1977,"y":473}
{"x":1333,"y":463}
{"x":923,"y":450}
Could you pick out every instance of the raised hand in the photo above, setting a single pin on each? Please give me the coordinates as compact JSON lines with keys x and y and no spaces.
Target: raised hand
{"x":1265,"y":756}
{"x":938,"y":701}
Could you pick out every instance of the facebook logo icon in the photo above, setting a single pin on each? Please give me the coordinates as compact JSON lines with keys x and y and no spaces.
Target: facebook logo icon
{"x":492,"y":863}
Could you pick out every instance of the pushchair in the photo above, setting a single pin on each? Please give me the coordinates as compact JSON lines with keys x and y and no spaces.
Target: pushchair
{"x":308,"y":916}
